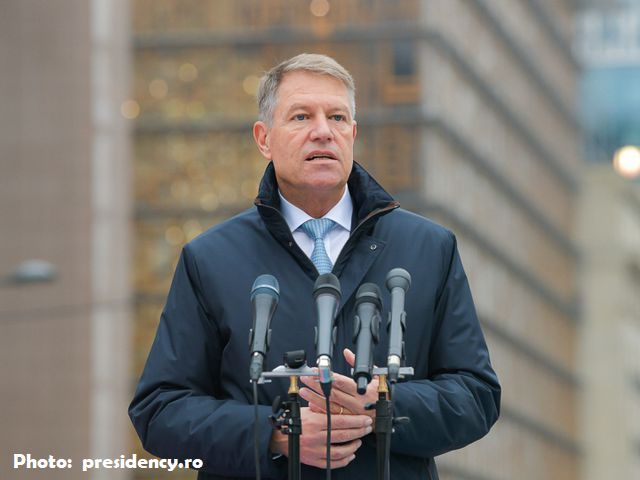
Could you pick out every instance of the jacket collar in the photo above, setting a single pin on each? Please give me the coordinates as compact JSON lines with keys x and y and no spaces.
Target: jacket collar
{"x":369,"y":198}
{"x":370,"y":202}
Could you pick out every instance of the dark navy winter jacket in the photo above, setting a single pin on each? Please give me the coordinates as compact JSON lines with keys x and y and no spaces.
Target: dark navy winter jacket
{"x":194,"y":397}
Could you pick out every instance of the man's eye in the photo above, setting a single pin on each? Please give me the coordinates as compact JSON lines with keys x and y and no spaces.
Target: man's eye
{"x":299,"y":116}
{"x":339,"y":118}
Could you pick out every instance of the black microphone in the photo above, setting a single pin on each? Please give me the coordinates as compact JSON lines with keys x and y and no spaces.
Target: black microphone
{"x":398,"y":282}
{"x":366,"y":332}
{"x":327,"y":294}
{"x":264,"y":299}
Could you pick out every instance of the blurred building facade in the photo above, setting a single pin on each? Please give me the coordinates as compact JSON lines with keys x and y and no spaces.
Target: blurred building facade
{"x":458,"y":116}
{"x":610,"y":344}
{"x":608,"y":42}
{"x":64,"y":198}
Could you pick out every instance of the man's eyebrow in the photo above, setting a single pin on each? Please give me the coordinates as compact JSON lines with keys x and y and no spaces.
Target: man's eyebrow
{"x":303,"y":106}
{"x":297,"y":106}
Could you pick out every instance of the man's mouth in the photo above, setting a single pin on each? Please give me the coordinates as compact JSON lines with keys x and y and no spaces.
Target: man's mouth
{"x":321,"y":156}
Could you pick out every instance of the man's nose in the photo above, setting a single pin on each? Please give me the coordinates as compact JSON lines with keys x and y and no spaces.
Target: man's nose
{"x":321,"y":129}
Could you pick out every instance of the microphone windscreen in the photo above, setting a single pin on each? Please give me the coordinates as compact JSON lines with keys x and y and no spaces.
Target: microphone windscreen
{"x":398,"y":277}
{"x":265,"y":284}
{"x":327,"y":283}
{"x":369,"y":292}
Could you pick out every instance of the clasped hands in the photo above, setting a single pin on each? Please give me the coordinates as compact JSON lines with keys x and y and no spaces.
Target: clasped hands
{"x":349,"y":420}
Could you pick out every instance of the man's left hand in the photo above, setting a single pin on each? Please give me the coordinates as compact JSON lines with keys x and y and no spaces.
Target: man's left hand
{"x":344,"y":398}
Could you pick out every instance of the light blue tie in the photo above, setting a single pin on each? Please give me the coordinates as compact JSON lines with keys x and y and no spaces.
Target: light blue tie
{"x":316,"y":229}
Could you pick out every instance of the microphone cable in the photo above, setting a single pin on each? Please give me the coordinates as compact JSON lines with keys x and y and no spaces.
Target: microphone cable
{"x":256,"y":430}
{"x":326,"y":389}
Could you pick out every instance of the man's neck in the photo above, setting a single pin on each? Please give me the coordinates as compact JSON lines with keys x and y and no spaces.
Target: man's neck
{"x":315,"y":205}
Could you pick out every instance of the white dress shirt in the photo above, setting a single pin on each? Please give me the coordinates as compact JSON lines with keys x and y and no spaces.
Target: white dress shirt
{"x":334,"y":240}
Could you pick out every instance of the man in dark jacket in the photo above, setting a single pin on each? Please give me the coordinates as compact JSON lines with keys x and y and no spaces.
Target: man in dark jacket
{"x":194,"y":398}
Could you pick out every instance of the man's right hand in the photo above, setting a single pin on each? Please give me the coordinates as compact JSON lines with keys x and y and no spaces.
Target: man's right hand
{"x":346,"y":434}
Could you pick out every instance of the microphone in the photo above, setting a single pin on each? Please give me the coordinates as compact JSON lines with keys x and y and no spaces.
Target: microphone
{"x":366,"y":332}
{"x":398,"y":282}
{"x":265,"y":294}
{"x":327,"y":294}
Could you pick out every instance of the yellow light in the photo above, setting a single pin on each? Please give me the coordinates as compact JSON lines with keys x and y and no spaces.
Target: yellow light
{"x":626,"y":161}
{"x":187,"y":72}
{"x":209,"y":201}
{"x":195,"y":109}
{"x":180,"y":189}
{"x":192,"y":229}
{"x":250,"y":84}
{"x":175,"y":108}
{"x":319,"y":8}
{"x":158,"y":88}
{"x":130,"y":109}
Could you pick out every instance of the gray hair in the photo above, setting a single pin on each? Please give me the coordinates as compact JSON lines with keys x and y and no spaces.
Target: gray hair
{"x":308,"y":62}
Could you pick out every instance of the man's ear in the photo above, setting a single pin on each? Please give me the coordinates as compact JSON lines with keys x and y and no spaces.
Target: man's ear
{"x":261,"y":137}
{"x":355,"y":129}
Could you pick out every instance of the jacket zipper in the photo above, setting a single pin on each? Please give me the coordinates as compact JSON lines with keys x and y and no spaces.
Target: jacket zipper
{"x":366,"y":220}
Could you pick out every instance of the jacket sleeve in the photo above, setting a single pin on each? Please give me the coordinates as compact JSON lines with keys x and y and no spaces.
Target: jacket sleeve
{"x":177,"y":409}
{"x":459,"y":400}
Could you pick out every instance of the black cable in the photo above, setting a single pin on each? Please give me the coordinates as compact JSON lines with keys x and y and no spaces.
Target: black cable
{"x":328,"y":406}
{"x":256,"y":430}
{"x":326,"y":389}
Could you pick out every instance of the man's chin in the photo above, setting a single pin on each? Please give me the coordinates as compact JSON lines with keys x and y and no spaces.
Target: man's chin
{"x":325,"y":185}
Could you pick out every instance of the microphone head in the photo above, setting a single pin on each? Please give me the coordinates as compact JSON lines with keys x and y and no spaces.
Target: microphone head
{"x":369,"y":292}
{"x":398,"y":277}
{"x":266,"y":284}
{"x":327,"y":283}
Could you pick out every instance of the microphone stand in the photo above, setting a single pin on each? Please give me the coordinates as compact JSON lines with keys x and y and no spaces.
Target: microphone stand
{"x":291,"y":425}
{"x":286,"y":415}
{"x":384,"y":426}
{"x":385,"y":421}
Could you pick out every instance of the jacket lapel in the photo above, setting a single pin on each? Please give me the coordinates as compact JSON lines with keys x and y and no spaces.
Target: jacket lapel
{"x":358,"y":263}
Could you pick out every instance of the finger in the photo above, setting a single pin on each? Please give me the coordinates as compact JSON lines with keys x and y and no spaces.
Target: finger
{"x":347,"y":435}
{"x":338,"y":454}
{"x":317,"y":409}
{"x":344,"y":450}
{"x":318,"y":403}
{"x":313,"y":397}
{"x":339,"y":422}
{"x":344,"y":384}
{"x":307,"y":380}
{"x":339,"y":381}
{"x":312,"y":382}
{"x":350,"y":421}
{"x":315,"y":424}
{"x":322,"y":463}
{"x":349,"y":356}
{"x":353,"y":404}
{"x":341,"y":463}
{"x":341,"y":402}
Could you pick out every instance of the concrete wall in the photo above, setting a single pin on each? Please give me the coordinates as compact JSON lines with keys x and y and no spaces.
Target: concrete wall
{"x":64,"y":198}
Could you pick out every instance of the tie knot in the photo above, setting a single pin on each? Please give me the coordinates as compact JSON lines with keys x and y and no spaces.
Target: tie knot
{"x":317,"y":228}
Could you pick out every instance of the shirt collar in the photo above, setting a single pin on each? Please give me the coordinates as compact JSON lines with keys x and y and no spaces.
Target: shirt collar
{"x":341,"y":213}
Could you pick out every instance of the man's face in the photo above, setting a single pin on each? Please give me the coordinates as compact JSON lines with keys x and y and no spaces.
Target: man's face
{"x":311,"y":137}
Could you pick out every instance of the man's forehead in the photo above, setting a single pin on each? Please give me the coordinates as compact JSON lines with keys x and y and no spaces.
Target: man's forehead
{"x":294,"y":102}
{"x":304,"y":89}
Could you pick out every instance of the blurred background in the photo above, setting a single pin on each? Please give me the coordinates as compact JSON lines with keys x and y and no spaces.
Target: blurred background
{"x":125,"y":131}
